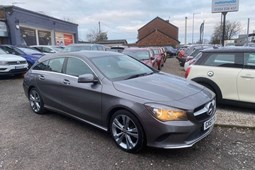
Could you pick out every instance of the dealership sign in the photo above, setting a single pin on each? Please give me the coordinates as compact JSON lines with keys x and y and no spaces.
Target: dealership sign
{"x":225,"y":6}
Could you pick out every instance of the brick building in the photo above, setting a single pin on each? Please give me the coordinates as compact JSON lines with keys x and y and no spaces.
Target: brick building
{"x":158,"y":32}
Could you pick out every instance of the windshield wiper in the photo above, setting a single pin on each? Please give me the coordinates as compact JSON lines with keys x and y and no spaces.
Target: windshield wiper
{"x":138,"y":75}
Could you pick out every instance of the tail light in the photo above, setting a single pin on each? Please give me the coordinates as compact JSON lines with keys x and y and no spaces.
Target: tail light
{"x":187,"y":72}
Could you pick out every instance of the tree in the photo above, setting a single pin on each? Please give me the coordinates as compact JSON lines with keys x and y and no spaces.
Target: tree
{"x":231,"y":29}
{"x":94,"y":36}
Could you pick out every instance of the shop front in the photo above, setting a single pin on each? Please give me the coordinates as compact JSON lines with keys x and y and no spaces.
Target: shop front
{"x":23,"y":27}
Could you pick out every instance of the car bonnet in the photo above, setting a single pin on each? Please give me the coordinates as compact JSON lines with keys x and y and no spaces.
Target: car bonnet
{"x":159,"y":87}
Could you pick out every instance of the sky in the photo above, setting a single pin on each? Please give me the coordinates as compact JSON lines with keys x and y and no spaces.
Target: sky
{"x":121,"y":19}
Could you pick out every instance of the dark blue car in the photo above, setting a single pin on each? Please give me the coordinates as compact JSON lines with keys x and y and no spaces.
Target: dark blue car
{"x":29,"y":54}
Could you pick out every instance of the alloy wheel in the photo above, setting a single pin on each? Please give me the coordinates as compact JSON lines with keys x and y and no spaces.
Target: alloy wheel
{"x":35,"y":101}
{"x":125,"y":132}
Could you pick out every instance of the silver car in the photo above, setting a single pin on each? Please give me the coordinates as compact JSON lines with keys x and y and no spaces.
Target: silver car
{"x":114,"y":92}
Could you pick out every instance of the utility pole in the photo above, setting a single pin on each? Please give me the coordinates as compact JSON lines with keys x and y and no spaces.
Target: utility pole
{"x":186,"y":18}
{"x":248,"y":30}
{"x":224,"y":27}
{"x":99,"y":27}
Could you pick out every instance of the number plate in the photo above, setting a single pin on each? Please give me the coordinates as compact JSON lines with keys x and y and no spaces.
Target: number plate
{"x":19,"y":67}
{"x":210,"y":122}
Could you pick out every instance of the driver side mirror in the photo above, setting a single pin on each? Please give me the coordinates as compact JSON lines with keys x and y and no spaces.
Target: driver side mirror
{"x":87,"y":78}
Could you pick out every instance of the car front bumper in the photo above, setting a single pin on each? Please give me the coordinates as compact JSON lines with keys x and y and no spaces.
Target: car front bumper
{"x":13,"y":69}
{"x":181,"y":134}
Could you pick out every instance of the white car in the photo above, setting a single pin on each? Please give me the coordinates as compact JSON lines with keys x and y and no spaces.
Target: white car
{"x":228,"y":72}
{"x":12,"y":64}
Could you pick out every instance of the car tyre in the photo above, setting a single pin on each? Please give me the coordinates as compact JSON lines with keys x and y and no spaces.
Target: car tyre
{"x":127,"y":131}
{"x":36,"y":102}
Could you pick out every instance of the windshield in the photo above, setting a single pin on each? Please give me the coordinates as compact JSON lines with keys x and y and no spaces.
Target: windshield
{"x":2,"y":51}
{"x":139,"y":55}
{"x":76,"y":48}
{"x":156,"y":51}
{"x":195,"y":52}
{"x":28,"y":50}
{"x":121,"y":67}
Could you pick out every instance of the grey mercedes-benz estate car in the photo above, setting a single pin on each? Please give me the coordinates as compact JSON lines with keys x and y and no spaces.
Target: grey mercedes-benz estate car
{"x":136,"y":104}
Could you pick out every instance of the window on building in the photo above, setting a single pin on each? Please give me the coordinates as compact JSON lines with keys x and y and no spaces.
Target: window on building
{"x":44,"y":37}
{"x":28,"y":35}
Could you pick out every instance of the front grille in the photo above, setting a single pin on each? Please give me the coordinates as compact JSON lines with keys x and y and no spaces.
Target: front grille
{"x":16,"y":62}
{"x":205,"y":111}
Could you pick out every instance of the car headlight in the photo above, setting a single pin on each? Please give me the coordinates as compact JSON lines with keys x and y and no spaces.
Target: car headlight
{"x":166,"y":113}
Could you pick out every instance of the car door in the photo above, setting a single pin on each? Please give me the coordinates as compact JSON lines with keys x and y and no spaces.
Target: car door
{"x":49,"y":76}
{"x":223,"y":69}
{"x":81,"y":99}
{"x":246,"y":79}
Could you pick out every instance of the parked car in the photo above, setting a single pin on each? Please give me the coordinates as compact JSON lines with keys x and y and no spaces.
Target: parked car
{"x":228,"y":72}
{"x":118,"y":49}
{"x":163,"y":53}
{"x":29,"y":54}
{"x":48,"y":48}
{"x":249,"y":44}
{"x":144,"y":55}
{"x":159,"y":56}
{"x":191,"y":59}
{"x":170,"y":51}
{"x":12,"y":64}
{"x":137,"y":104}
{"x":183,"y":54}
{"x":80,"y":47}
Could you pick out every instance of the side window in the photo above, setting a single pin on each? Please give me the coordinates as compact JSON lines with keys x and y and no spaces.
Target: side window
{"x":94,"y":47}
{"x":222,"y":60}
{"x":76,"y":67}
{"x":56,"y":65}
{"x":249,"y":60}
{"x":42,"y":66}
{"x":100,"y":48}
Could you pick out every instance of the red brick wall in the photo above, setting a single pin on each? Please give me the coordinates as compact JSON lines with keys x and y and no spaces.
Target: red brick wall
{"x":161,"y":25}
{"x":157,"y":39}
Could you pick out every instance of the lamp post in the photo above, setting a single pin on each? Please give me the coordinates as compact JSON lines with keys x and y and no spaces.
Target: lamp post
{"x":186,"y":18}
{"x":193,"y":27}
{"x":248,"y":30}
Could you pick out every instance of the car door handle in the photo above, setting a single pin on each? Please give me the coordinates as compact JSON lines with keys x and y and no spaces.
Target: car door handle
{"x":248,"y":76}
{"x":41,"y":77}
{"x":66,"y":82}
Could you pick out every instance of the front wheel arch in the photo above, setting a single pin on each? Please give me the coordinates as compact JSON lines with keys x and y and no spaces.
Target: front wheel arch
{"x":210,"y":85}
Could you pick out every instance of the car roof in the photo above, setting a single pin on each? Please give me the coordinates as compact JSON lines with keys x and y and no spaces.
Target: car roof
{"x":79,"y":54}
{"x":85,"y":44}
{"x":136,"y":49}
{"x":42,"y":46}
{"x":229,"y":49}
